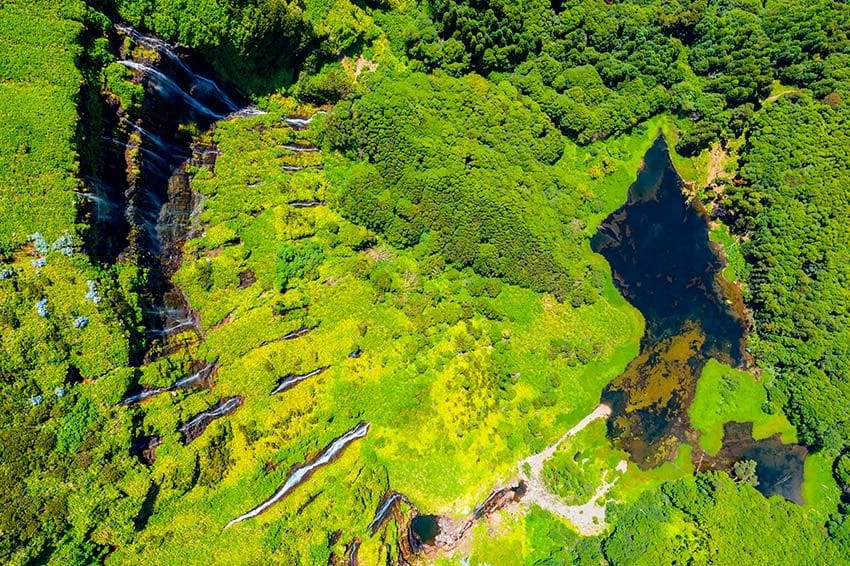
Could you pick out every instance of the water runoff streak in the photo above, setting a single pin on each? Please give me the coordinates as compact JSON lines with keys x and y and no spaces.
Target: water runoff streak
{"x":304,"y":471}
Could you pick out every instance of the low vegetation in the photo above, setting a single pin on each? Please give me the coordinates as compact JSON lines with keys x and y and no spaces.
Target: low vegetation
{"x":432,"y":259}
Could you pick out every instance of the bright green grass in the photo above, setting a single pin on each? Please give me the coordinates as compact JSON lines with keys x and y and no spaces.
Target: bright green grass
{"x":725,"y":394}
{"x":821,"y":494}
{"x":39,"y":83}
{"x":735,"y":262}
{"x":457,"y":385}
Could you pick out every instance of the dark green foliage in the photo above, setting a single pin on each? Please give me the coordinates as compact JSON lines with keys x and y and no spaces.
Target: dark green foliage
{"x":297,"y":260}
{"x":699,"y":519}
{"x":216,"y":458}
{"x":795,"y":204}
{"x":731,"y":50}
{"x":329,"y":85}
{"x":497,"y":34}
{"x":599,"y":68}
{"x":472,"y":185}
{"x":581,"y":105}
{"x":804,"y":36}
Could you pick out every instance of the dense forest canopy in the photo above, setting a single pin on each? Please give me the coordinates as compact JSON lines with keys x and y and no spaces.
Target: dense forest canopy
{"x":470,"y":184}
{"x":389,"y":228}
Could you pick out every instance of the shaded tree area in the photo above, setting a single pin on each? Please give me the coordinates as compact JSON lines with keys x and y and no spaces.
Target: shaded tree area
{"x":463,"y":168}
{"x":699,"y":519}
{"x":599,"y":68}
{"x":795,"y":203}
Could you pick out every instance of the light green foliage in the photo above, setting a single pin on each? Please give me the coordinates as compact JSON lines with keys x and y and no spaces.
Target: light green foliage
{"x":725,"y":394}
{"x":580,"y":464}
{"x":445,"y":277}
{"x":451,"y":362}
{"x":745,"y":472}
{"x":736,"y":267}
{"x":38,"y":92}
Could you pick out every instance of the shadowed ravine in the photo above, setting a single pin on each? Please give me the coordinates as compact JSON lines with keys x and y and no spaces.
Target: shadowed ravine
{"x":159,"y":205}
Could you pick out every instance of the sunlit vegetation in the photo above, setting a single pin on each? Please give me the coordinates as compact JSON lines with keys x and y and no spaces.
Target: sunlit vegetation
{"x":421,"y":251}
{"x":39,"y":83}
{"x":442,"y":179}
{"x":449,"y":362}
{"x":725,"y":394}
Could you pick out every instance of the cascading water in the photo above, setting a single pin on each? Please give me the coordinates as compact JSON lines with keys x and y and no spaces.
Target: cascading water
{"x":196,"y":379}
{"x":291,"y":380}
{"x":300,"y":148}
{"x":384,"y":508}
{"x":170,"y":51}
{"x":161,"y":206}
{"x":193,"y":428}
{"x":166,"y":86}
{"x":302,"y":472}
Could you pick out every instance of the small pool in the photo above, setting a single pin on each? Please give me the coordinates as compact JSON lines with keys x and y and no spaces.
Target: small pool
{"x":425,"y":528}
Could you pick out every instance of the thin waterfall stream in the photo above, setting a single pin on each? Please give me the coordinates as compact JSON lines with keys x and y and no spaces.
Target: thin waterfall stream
{"x":304,"y":471}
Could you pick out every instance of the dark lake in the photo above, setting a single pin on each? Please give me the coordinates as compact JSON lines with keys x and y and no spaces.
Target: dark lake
{"x":779,"y":467}
{"x":425,"y":528}
{"x":663,"y":262}
{"x":665,"y":265}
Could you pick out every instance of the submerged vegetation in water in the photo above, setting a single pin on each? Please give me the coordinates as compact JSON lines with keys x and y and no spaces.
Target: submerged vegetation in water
{"x":205,"y":304}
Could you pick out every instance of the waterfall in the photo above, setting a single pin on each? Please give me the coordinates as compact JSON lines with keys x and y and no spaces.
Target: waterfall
{"x":141,"y":396}
{"x":163,"y":147}
{"x":302,"y":167}
{"x":302,"y":472}
{"x":165,"y":48}
{"x":247,"y":112}
{"x":299,"y":148}
{"x":193,"y":428}
{"x":163,"y":83}
{"x":384,"y":508}
{"x":183,"y":383}
{"x":291,"y":380}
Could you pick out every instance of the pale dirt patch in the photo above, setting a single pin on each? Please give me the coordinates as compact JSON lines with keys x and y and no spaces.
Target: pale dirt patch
{"x":716,"y":160}
{"x":588,"y":518}
{"x":357,"y":66}
{"x":363,"y":63}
